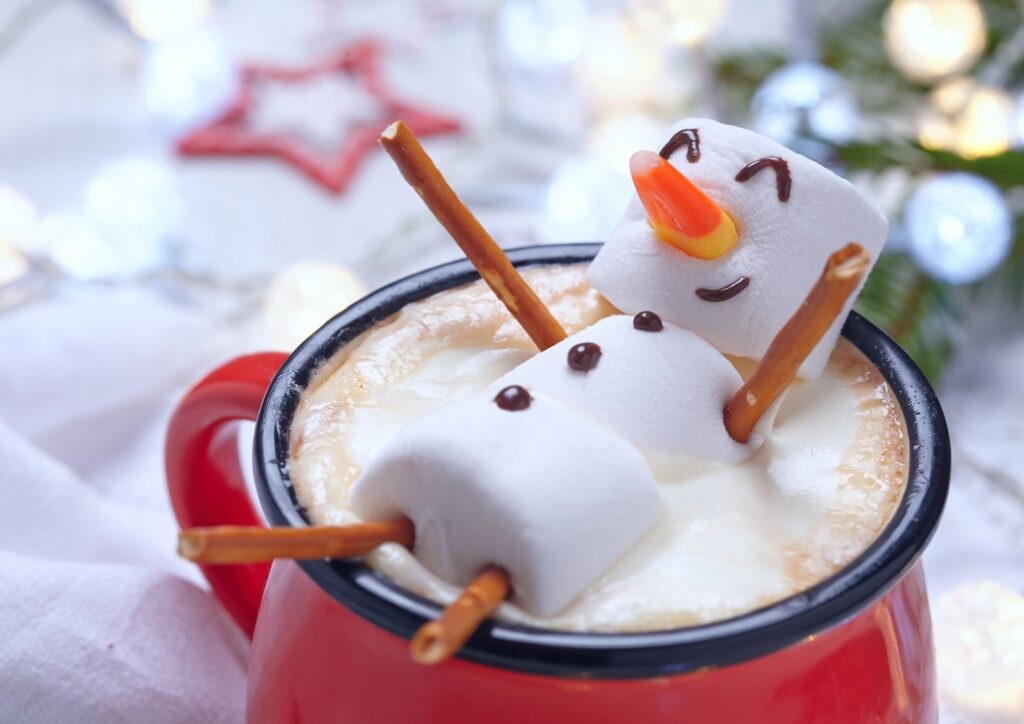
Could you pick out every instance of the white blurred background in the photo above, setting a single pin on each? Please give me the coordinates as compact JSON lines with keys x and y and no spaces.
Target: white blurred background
{"x":128,"y":268}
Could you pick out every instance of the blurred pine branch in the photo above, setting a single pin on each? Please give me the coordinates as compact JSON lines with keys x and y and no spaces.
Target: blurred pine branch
{"x":1005,"y":169}
{"x":915,"y":310}
{"x":921,"y":313}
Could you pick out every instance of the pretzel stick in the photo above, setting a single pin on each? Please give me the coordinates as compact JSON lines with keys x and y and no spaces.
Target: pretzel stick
{"x":778,"y":367}
{"x":250,"y":544}
{"x":433,"y":643}
{"x":478,"y":246}
{"x":437,"y":640}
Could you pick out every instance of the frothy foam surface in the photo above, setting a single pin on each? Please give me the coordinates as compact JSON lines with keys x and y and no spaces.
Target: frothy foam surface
{"x":732,"y":537}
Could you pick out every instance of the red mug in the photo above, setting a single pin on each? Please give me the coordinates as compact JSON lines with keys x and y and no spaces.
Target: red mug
{"x":330,"y":638}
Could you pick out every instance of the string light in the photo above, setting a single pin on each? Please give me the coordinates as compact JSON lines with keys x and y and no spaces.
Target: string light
{"x":931,"y":39}
{"x":134,"y":204}
{"x":17,"y":216}
{"x":305,"y":295}
{"x":162,"y":19}
{"x":621,"y":68}
{"x":979,"y":641}
{"x":124,"y":226}
{"x":540,"y":33}
{"x":13,"y":264}
{"x":959,"y":227}
{"x":22,"y":276}
{"x":76,"y":247}
{"x":687,"y":22}
{"x":802,"y":101}
{"x":615,"y":139}
{"x":967,"y":118}
{"x":188,"y":79}
{"x":583,"y":200}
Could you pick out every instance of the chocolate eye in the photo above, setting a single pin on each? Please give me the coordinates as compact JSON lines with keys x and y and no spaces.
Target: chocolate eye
{"x":689,"y":137}
{"x":783,"y":179}
{"x":513,"y":398}
{"x":584,"y":356}
{"x":648,"y":322}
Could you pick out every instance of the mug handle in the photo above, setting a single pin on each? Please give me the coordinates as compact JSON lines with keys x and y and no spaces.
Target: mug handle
{"x":204,"y":474}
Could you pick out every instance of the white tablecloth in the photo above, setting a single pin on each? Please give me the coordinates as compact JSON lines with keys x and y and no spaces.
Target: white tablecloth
{"x":101,"y":622}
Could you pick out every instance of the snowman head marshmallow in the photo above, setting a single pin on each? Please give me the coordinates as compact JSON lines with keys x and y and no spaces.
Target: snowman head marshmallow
{"x":728,"y":233}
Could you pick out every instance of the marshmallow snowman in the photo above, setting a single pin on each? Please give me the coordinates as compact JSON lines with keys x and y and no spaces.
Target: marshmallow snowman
{"x":526,"y":484}
{"x":662,"y":389}
{"x":783,"y":216}
{"x":544,"y":475}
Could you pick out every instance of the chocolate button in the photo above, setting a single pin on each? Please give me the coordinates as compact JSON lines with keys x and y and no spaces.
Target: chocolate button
{"x":513,"y":398}
{"x":583,"y":357}
{"x":648,"y":322}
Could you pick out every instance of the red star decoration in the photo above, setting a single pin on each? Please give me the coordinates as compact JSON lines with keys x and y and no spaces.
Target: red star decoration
{"x":227,"y":135}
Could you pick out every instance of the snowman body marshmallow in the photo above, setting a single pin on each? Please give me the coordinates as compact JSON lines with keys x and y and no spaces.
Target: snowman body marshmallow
{"x":664,"y":391}
{"x":547,"y":495}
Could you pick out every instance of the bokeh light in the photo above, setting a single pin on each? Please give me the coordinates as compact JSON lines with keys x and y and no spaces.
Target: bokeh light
{"x":162,"y":19}
{"x":687,"y":22}
{"x":967,"y":118}
{"x":13,"y":264}
{"x":584,"y":199}
{"x":931,"y":39}
{"x":621,"y":68}
{"x":123,"y":228}
{"x":959,"y":227}
{"x":615,"y":139}
{"x":76,"y":247}
{"x":188,"y":79}
{"x":305,"y":295}
{"x":805,"y":99}
{"x":135,"y":201}
{"x":17,"y":216}
{"x":979,"y":642}
{"x":540,"y":33}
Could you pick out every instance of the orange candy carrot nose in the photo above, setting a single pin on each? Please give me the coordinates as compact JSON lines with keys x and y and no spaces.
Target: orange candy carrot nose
{"x":682,"y":215}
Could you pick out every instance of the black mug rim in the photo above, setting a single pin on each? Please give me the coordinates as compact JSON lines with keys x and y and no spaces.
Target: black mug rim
{"x":612,"y":655}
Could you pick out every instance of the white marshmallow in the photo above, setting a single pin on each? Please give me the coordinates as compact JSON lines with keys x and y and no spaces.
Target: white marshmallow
{"x":552,"y":498}
{"x":663,"y":391}
{"x":782,"y":247}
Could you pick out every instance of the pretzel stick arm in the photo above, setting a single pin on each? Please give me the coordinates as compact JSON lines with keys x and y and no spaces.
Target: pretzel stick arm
{"x":478,"y":246}
{"x":438,"y":640}
{"x":795,"y":341}
{"x":251,"y":544}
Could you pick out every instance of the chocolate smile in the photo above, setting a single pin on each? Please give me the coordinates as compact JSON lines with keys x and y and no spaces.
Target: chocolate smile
{"x":727,"y":292}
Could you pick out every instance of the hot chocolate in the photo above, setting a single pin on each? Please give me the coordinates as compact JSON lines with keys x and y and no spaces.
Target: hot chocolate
{"x":729,"y":537}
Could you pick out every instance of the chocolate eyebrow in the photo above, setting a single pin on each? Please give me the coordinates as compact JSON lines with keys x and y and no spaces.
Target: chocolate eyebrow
{"x":783,"y":179}
{"x":689,"y":137}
